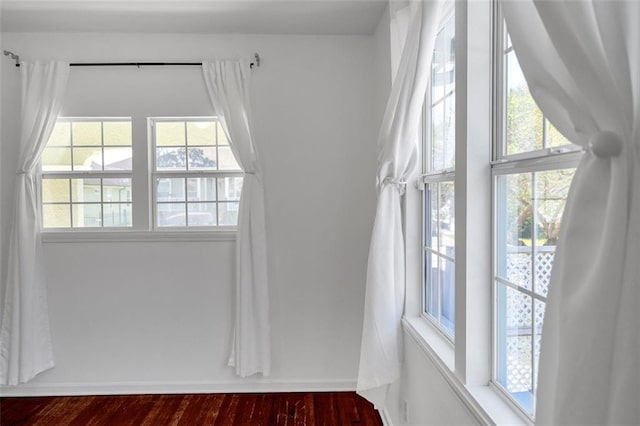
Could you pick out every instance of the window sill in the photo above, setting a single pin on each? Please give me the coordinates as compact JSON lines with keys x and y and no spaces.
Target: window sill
{"x":136,"y":236}
{"x":484,"y":402}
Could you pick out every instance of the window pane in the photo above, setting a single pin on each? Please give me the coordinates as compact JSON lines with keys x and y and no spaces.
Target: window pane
{"x":446,"y":214}
{"x":117,"y":190}
{"x":514,"y":228}
{"x":56,"y":216}
{"x":437,"y":137}
{"x":170,"y":189}
{"x":85,"y":190}
{"x":434,"y":198}
{"x":55,"y":190}
{"x":222,"y":136}
{"x":170,"y":133}
{"x":524,"y":118}
{"x":552,"y":189}
{"x":56,"y":159}
{"x":118,"y":158}
{"x":202,"y":214}
{"x":540,"y":308}
{"x":201,"y":189}
{"x":447,"y":291}
{"x":117,"y":214}
{"x":228,"y":214}
{"x":202,"y":158}
{"x":438,"y":67}
{"x":442,"y":114}
{"x":86,"y":215}
{"x":554,"y":137}
{"x":172,"y":215}
{"x":432,"y":277}
{"x":86,"y":133}
{"x":117,"y":133}
{"x":226,"y":160}
{"x":449,"y":147}
{"x":171,"y":158}
{"x":514,"y":344}
{"x":61,"y":135}
{"x":201,"y":133}
{"x":229,"y":188}
{"x":87,"y":158}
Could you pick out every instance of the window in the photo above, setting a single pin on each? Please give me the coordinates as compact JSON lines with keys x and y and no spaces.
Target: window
{"x":87,"y":174}
{"x":197,"y":179}
{"x":438,"y":179}
{"x":531,"y":183}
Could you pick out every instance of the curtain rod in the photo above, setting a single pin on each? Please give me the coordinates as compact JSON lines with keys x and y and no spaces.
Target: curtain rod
{"x":255,"y":63}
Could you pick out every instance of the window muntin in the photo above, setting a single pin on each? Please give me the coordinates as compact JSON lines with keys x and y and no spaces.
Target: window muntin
{"x":438,"y":179}
{"x":196,"y":177}
{"x":529,"y":199}
{"x":87,"y":174}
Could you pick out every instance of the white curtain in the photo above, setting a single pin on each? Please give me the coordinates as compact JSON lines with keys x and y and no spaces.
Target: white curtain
{"x":25,"y":339}
{"x":228,"y":84}
{"x":398,"y":140}
{"x":581,"y":60}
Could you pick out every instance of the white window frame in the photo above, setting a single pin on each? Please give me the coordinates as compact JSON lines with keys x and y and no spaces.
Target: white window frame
{"x":539,"y":160}
{"x":432,"y":178}
{"x":84,"y":174}
{"x":156,"y":174}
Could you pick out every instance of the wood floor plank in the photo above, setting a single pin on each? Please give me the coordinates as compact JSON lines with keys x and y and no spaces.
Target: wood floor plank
{"x":20,"y":411}
{"x":368,"y":415}
{"x":228,"y":410}
{"x":264,"y":409}
{"x":326,"y":411}
{"x":162,"y":410}
{"x":262,"y":412}
{"x":133,"y":411}
{"x":347,"y":409}
{"x":61,"y":412}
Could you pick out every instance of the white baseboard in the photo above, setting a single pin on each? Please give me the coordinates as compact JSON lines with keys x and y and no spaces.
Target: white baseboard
{"x":129,"y":388}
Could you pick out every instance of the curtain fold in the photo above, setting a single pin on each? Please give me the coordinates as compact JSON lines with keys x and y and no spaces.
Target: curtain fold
{"x":25,"y":338}
{"x":581,"y":60}
{"x":228,"y":85}
{"x":380,"y":351}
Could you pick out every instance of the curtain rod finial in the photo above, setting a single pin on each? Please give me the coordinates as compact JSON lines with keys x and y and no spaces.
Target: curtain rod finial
{"x":13,"y":56}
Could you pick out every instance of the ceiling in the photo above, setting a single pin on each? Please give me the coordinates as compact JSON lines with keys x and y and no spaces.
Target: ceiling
{"x":340,"y":17}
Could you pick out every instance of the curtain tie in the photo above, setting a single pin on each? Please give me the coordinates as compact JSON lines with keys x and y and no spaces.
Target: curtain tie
{"x":400,"y":185}
{"x":605,"y":144}
{"x":23,"y":172}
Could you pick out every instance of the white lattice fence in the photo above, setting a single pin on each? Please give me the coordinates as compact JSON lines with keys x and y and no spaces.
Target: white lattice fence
{"x":519,"y":310}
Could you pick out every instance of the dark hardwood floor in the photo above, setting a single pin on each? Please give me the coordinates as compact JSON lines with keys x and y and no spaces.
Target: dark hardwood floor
{"x":290,"y":409}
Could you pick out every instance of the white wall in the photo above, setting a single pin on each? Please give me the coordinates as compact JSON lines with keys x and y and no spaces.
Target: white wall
{"x":158,"y":315}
